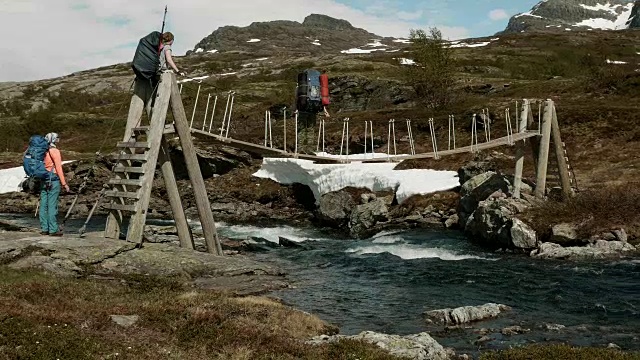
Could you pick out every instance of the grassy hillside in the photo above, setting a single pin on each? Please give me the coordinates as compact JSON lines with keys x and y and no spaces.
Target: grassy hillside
{"x":596,"y":100}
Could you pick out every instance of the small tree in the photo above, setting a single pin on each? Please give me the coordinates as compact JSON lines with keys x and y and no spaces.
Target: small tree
{"x":432,"y":77}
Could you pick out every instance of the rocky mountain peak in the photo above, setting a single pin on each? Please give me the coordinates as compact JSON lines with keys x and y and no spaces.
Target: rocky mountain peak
{"x":317,"y":34}
{"x":327,"y":22}
{"x":568,"y":15}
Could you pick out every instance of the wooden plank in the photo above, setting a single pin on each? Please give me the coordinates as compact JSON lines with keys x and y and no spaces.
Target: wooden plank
{"x":543,"y":155}
{"x":120,"y":207}
{"x":520,"y":146}
{"x":140,"y":129}
{"x":563,"y":167}
{"x":158,"y":117}
{"x":128,"y":169}
{"x":184,"y":232}
{"x":122,"y":194}
{"x":134,"y":144}
{"x":133,"y":157}
{"x":535,"y":141}
{"x":195,"y":174}
{"x":127,"y":182}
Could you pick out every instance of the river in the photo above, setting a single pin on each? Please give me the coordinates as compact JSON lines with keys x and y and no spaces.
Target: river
{"x":385,"y":283}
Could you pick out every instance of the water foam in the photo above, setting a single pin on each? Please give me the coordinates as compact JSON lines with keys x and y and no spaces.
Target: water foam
{"x":412,"y":252}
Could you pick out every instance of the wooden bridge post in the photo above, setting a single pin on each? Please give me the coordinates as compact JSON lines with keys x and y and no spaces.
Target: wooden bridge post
{"x":520,"y":149}
{"x":563,"y":169}
{"x":184,"y":232}
{"x":195,"y":174}
{"x":543,"y":154}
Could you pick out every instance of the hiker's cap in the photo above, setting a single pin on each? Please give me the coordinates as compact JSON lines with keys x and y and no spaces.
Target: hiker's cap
{"x":52,"y":138}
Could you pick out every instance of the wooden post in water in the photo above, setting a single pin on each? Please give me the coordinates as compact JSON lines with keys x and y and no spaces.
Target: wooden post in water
{"x":563,"y":168}
{"x":543,"y":154}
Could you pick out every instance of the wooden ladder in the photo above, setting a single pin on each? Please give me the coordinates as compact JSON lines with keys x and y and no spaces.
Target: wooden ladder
{"x":141,"y":149}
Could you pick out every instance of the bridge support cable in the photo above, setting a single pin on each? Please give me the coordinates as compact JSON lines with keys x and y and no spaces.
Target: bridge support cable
{"x":517,"y":118}
{"x":226,"y":110}
{"x":366,"y":127}
{"x":284,"y":129}
{"x":267,"y":129}
{"x":206,"y":112}
{"x":233,"y":97}
{"x":344,"y":143}
{"x":215,"y":103}
{"x":411,"y":144}
{"x":195,"y":105}
{"x":474,"y":134}
{"x":452,"y":131}
{"x":520,"y":149}
{"x":487,"y":124}
{"x":392,"y":132}
{"x":371,"y":132}
{"x":507,"y":117}
{"x":295,"y":150}
{"x":434,"y":141}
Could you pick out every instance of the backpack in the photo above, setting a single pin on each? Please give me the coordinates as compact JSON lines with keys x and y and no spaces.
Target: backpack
{"x":308,"y":95}
{"x":33,"y":159}
{"x":146,"y":61}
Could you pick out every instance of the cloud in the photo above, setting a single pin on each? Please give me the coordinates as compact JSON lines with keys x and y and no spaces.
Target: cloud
{"x":406,"y":15}
{"x":57,"y":37}
{"x":498,"y":14}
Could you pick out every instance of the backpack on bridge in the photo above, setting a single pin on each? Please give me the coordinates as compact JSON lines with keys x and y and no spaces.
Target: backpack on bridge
{"x":308,"y":94}
{"x":33,"y":164}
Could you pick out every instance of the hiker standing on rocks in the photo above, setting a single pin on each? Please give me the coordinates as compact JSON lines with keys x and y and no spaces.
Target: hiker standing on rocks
{"x":50,"y":189}
{"x":165,"y":54}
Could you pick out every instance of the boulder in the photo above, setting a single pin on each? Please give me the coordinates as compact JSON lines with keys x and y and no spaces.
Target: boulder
{"x":452,"y":222}
{"x":566,"y":235}
{"x":480,"y":188}
{"x":491,"y":223}
{"x":601,"y":249}
{"x":465,"y":314}
{"x":365,"y":217}
{"x":416,"y":346}
{"x":335,"y":208}
{"x":284,"y":242}
{"x":473,"y":169}
{"x":125,"y":320}
{"x":522,"y":235}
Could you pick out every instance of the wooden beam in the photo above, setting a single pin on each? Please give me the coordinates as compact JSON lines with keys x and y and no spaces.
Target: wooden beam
{"x":520,"y":147}
{"x":535,"y":141}
{"x":563,"y":170}
{"x":193,"y":168}
{"x":543,"y":155}
{"x":158,"y":117}
{"x":184,"y":232}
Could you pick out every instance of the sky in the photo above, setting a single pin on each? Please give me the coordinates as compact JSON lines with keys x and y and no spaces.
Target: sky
{"x":51,"y":38}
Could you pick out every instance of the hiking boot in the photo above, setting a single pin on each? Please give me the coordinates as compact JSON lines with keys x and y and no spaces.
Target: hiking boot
{"x":44,"y":233}
{"x":57,"y":233}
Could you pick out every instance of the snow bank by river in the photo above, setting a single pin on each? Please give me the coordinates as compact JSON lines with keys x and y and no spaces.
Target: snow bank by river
{"x":325,"y":178}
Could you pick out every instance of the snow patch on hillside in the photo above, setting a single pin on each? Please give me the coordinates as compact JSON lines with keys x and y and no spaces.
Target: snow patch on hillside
{"x":253,"y":40}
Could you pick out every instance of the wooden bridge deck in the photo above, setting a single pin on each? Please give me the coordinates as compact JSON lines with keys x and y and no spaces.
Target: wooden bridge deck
{"x":266,"y":151}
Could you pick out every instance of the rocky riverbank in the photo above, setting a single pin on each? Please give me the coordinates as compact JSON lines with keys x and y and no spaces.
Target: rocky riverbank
{"x":482,"y":207}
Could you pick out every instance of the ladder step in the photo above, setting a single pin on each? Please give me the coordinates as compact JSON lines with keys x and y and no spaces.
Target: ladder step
{"x":129,"y":182}
{"x":122,"y":194}
{"x":135,"y":157}
{"x":134,"y":144}
{"x":128,"y":169}
{"x":140,"y":129}
{"x":131,"y":208}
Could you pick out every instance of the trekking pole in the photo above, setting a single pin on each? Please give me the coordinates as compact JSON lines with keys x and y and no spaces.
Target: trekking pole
{"x":164,"y":18}
{"x":93,"y":209}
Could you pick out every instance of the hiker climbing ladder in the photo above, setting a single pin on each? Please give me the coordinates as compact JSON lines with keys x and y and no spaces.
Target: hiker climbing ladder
{"x":141,"y":149}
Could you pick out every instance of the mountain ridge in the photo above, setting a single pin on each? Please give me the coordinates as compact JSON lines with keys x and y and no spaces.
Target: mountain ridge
{"x":568,"y":15}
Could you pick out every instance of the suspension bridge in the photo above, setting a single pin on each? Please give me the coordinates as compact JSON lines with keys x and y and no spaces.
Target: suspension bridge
{"x":144,"y":147}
